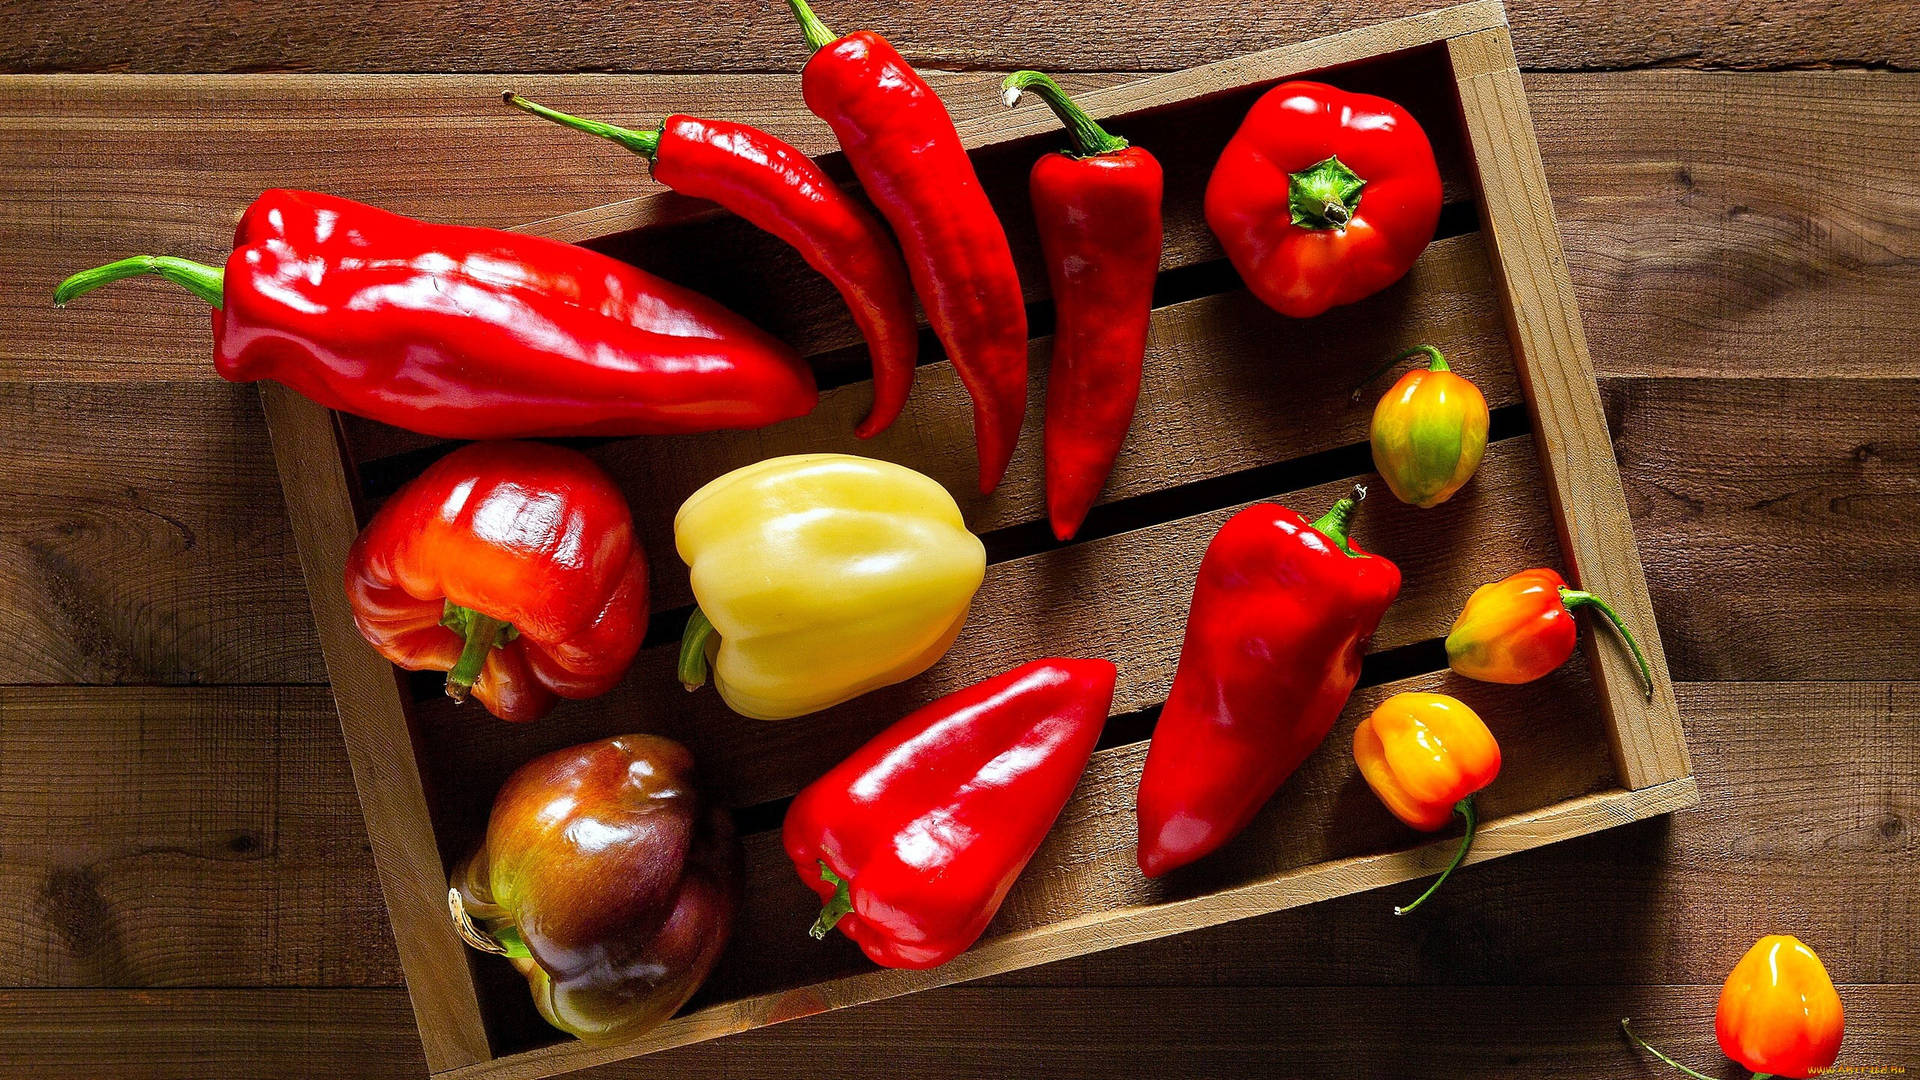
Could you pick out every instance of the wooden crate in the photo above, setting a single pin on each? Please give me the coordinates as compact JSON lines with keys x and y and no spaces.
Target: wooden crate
{"x":1239,"y":405}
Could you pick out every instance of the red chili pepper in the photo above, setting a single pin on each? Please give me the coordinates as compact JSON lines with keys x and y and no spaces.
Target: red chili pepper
{"x":1098,"y":209}
{"x":511,"y":566}
{"x":1323,"y":197}
{"x":779,"y":189}
{"x":901,"y":143}
{"x":914,"y":841}
{"x":469,"y":333}
{"x":1282,"y":613}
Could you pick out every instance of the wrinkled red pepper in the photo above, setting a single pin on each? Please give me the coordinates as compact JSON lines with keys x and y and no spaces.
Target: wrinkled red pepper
{"x":1098,"y":209}
{"x":902,"y":145}
{"x":914,"y":841}
{"x":779,"y":189}
{"x":511,"y":566}
{"x":469,"y":333}
{"x":1323,"y":197}
{"x":1282,"y":613}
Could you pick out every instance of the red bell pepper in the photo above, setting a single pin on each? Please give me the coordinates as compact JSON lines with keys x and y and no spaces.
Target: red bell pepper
{"x":779,"y":189}
{"x":1282,"y":613}
{"x":902,"y":145}
{"x":1323,"y":197}
{"x":511,"y":566}
{"x":469,"y":333}
{"x":914,"y":841}
{"x":1098,"y":209}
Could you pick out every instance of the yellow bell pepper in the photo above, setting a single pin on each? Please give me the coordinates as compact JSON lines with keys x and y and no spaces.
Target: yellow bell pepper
{"x":1429,"y":432}
{"x":823,"y":576}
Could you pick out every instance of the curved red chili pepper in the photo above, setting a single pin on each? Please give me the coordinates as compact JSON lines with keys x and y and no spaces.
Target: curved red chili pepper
{"x":511,"y":566}
{"x":1098,"y":209}
{"x":901,"y":143}
{"x":1323,"y":197}
{"x":1282,"y":613}
{"x":470,"y":333}
{"x":779,"y":189}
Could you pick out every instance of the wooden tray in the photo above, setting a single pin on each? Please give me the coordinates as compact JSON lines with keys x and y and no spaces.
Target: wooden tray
{"x":1239,"y":405}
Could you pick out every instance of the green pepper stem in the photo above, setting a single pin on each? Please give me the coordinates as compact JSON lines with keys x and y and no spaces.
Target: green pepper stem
{"x":1465,"y":809}
{"x":1324,"y":195}
{"x":644,"y":143}
{"x":697,"y":644}
{"x":1649,"y":1048}
{"x":1575,"y":598}
{"x":203,"y":281}
{"x":837,"y":905}
{"x":816,"y":32}
{"x":1334,"y":523}
{"x":484,"y":633}
{"x":1435,"y":362}
{"x":1089,"y":138}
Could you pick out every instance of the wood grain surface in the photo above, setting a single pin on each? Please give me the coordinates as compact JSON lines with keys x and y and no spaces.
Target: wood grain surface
{"x":184,"y":879}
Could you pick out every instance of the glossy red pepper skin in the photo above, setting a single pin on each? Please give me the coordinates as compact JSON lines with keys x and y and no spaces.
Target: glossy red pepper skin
{"x":768,"y":182}
{"x":1281,"y":617}
{"x":902,"y":145}
{"x":472,"y":333}
{"x":926,"y":827}
{"x":533,"y":535}
{"x":1100,"y":233}
{"x":1303,"y":266}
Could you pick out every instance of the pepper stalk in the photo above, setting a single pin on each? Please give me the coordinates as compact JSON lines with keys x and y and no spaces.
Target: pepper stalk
{"x":1466,"y":810}
{"x":1089,"y":138}
{"x":206,"y":282}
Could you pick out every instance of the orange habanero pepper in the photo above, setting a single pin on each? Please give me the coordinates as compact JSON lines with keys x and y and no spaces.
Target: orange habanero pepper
{"x":1779,"y":1014}
{"x":1425,"y":755}
{"x":1521,"y":627}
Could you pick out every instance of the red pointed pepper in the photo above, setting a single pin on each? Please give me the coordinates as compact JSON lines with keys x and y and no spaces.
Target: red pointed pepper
{"x":901,"y":143}
{"x":914,"y":841}
{"x":469,"y":333}
{"x":1282,"y":613}
{"x":1323,"y":197}
{"x":776,"y":187}
{"x":1098,"y":209}
{"x":511,"y":566}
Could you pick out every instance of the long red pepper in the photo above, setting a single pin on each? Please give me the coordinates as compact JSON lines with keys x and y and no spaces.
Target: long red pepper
{"x":776,"y":187}
{"x":1282,"y":613}
{"x":1098,"y":208}
{"x":901,"y":143}
{"x":914,"y":841}
{"x":470,"y":333}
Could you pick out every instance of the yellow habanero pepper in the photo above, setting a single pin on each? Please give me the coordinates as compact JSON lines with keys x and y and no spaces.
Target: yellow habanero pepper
{"x":1429,"y":431}
{"x":823,"y":576}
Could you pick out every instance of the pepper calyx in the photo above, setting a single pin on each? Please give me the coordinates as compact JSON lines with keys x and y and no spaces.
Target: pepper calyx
{"x":483,"y":634}
{"x":837,"y":906}
{"x":1324,"y":195}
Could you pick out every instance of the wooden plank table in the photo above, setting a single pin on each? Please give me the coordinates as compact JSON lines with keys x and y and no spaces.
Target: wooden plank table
{"x":183,"y":874}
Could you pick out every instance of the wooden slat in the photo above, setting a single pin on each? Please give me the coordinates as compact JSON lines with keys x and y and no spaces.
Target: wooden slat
{"x":981,"y":1031}
{"x":142,"y":539}
{"x":379,"y":743}
{"x":1699,"y":210}
{"x":1025,"y":609}
{"x":1803,"y":830}
{"x":1286,"y":395}
{"x":1589,"y":501}
{"x":205,"y":35}
{"x":162,"y":837}
{"x":1107,"y":930}
{"x":1086,"y":870}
